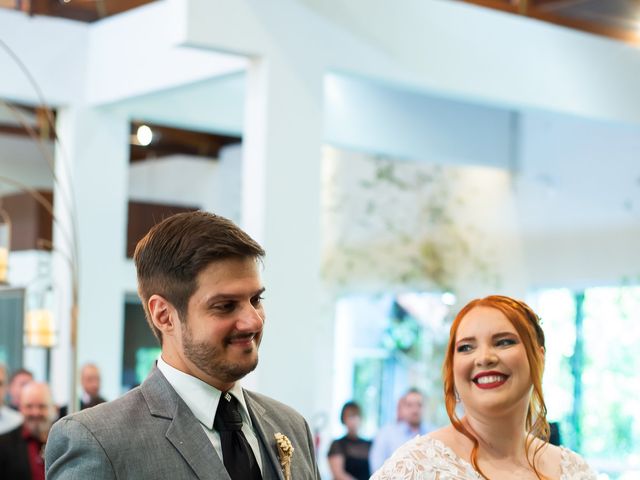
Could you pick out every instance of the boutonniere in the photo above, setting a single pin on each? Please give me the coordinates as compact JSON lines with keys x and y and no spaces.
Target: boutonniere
{"x":285,"y":452}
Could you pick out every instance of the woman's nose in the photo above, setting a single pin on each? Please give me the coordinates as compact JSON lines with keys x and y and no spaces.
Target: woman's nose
{"x":486,"y":356}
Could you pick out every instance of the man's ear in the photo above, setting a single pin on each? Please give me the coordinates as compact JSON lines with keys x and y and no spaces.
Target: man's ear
{"x":163,"y":314}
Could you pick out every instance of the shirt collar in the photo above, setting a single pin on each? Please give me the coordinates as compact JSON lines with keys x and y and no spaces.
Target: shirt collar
{"x":410,"y":431}
{"x":28,"y":436}
{"x":201,"y":398}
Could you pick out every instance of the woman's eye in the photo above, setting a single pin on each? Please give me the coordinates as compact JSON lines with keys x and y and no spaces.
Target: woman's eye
{"x":505,"y":341}
{"x":463,"y":348}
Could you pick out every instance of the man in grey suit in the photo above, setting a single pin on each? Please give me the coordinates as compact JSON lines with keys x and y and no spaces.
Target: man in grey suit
{"x":199,"y":282}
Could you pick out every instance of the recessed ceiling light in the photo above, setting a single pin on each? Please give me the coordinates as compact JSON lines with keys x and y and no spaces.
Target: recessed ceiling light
{"x":144,"y":135}
{"x":448,"y":298}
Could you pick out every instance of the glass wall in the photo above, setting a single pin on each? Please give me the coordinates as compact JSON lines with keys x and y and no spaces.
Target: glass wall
{"x":11,"y":320}
{"x":386,"y":344}
{"x":140,"y":349}
{"x":592,"y":377}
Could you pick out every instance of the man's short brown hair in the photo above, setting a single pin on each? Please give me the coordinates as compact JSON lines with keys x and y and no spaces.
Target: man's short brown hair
{"x":169,"y":258}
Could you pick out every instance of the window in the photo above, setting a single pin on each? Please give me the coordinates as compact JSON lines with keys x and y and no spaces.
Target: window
{"x":141,"y":347}
{"x":386,"y":344}
{"x":592,"y":377}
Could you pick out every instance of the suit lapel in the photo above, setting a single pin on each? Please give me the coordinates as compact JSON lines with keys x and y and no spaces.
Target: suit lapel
{"x":185,"y":432}
{"x":265,"y":428}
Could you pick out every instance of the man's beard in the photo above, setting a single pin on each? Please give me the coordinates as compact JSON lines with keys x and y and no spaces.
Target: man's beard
{"x":38,"y":427}
{"x":210,"y":359}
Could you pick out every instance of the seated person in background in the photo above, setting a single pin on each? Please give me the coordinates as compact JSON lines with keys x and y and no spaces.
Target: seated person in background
{"x":21,"y":450}
{"x":493,"y":370}
{"x":18,"y":380}
{"x":349,"y":455}
{"x":393,"y":435}
{"x":554,"y":434}
{"x":90,"y":381}
{"x":9,"y":418}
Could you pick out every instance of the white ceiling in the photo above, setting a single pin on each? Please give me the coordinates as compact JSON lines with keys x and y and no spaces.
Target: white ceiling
{"x":569,"y":173}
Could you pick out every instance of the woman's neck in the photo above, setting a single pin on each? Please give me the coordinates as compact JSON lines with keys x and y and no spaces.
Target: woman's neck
{"x":499,"y":438}
{"x":352,"y":433}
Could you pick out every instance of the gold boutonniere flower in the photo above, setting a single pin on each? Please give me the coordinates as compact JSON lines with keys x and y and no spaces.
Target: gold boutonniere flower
{"x":285,"y":452}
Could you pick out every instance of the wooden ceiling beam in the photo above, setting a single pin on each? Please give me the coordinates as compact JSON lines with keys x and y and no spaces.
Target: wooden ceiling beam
{"x":523,"y":7}
{"x":547,"y":11}
{"x":504,"y":5}
{"x":173,"y":141}
{"x":8,"y":129}
{"x":82,"y":10}
{"x":556,"y":4}
{"x":40,"y":126}
{"x":626,"y":35}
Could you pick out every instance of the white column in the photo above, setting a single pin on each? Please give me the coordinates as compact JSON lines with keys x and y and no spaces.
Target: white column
{"x":281,"y":209}
{"x":93,"y":162}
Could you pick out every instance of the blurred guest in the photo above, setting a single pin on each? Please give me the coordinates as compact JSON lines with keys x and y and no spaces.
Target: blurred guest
{"x":349,"y":455}
{"x":9,"y":418}
{"x":408,"y":425}
{"x":18,"y":380}
{"x":554,"y":434}
{"x":22,"y":449}
{"x":90,"y":382}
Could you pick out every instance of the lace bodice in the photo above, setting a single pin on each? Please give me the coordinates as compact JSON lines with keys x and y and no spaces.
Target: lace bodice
{"x":426,"y":458}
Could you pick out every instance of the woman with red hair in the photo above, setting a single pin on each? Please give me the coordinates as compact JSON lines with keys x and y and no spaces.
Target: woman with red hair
{"x":493,"y":371}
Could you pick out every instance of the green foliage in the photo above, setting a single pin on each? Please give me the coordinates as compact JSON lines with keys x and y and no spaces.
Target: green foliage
{"x":621,"y":428}
{"x":367,"y":389}
{"x":399,"y":224}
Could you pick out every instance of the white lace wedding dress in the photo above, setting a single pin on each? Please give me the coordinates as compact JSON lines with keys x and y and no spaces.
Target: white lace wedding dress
{"x":425,"y":458}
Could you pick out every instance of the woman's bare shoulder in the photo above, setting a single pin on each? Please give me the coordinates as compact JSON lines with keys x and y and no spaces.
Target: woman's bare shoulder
{"x":445,"y":434}
{"x":547,"y":450}
{"x":453,"y":439}
{"x":549,"y":458}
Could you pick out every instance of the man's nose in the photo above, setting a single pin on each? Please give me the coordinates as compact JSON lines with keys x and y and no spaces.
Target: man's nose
{"x":251,"y":318}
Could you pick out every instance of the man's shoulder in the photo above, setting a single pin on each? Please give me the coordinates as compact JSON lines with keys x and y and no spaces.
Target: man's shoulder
{"x":392,"y":428}
{"x":118,"y":411}
{"x":9,"y":419}
{"x":12,"y":436}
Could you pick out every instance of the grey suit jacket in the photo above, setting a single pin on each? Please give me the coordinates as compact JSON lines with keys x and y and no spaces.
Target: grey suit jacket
{"x":150,"y":433}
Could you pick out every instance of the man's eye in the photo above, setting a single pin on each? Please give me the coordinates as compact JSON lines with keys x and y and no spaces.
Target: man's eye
{"x":225,"y":307}
{"x":463,"y":348}
{"x":255,"y":301}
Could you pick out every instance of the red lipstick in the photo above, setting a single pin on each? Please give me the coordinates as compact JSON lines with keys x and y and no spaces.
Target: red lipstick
{"x":490,"y":379}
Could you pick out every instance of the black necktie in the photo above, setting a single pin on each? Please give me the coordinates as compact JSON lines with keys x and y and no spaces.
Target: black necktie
{"x":237,"y":456}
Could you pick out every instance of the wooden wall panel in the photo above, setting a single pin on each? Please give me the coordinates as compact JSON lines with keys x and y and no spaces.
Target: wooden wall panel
{"x":143,"y":216}
{"x":31,"y":224}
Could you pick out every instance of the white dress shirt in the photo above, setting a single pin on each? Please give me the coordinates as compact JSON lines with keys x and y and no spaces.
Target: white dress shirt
{"x":202,"y":399}
{"x":9,"y":419}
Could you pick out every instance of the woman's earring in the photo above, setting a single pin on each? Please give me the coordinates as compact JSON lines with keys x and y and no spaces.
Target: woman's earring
{"x":457,"y":395}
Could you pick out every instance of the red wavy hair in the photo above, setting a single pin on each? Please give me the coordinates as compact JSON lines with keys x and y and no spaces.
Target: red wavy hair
{"x":527,"y":325}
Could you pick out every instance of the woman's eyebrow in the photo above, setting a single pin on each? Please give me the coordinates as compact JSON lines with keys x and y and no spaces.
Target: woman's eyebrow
{"x":466,"y":339}
{"x":504,"y":334}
